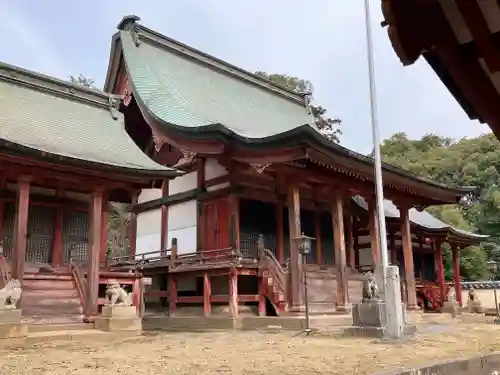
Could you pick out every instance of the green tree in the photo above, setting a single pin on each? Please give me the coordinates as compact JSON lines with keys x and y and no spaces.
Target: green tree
{"x":466,"y":162}
{"x":83,"y":80}
{"x":328,"y":126}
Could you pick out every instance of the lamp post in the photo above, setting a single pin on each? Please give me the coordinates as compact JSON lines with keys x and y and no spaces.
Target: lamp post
{"x":492,"y":268}
{"x":304,"y":244}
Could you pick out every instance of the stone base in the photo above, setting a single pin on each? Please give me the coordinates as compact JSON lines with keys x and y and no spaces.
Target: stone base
{"x":13,"y":330}
{"x":369,"y":321}
{"x":474,"y":307}
{"x":496,"y":321}
{"x":119,"y":318}
{"x":451,"y":307}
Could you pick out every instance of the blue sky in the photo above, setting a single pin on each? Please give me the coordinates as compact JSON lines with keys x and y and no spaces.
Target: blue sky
{"x":323,"y":42}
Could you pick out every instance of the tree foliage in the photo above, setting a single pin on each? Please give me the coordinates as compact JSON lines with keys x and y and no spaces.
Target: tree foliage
{"x":328,"y":126}
{"x":466,"y":162}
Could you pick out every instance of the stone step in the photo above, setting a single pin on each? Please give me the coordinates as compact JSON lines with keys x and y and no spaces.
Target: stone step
{"x":53,"y":319}
{"x":40,"y":326}
{"x":40,"y":310}
{"x":50,"y":301}
{"x":54,"y":293}
{"x":43,"y":276}
{"x":48,"y":284}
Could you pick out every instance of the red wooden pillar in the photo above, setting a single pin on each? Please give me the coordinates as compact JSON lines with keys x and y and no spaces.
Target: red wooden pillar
{"x":233,"y":292}
{"x":207,"y":294}
{"x":317,"y":233}
{"x":296,"y":268}
{"x":438,"y":251}
{"x":339,"y":250}
{"x":406,"y":239}
{"x":374,"y":233}
{"x":279,"y":232}
{"x":132,"y":235}
{"x":172,"y":293}
{"x":164,"y":217}
{"x":351,"y":257}
{"x":94,"y":252}
{"x":262,"y":295}
{"x":57,"y":238}
{"x":104,"y":229}
{"x":456,"y":272}
{"x":21,"y":228}
{"x":394,"y":250}
{"x":2,"y":214}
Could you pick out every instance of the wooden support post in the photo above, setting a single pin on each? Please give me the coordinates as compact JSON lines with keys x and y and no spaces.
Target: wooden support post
{"x":2,"y":216}
{"x":173,"y":254}
{"x":394,"y":250}
{"x":438,"y":253}
{"x":356,"y":244}
{"x":164,"y":218}
{"x":317,"y":233}
{"x":351,"y":257}
{"x":207,"y":295}
{"x":296,"y":268}
{"x":340,"y":253}
{"x":233,"y":292}
{"x":262,"y":294}
{"x":406,"y":239}
{"x":132,"y":236}
{"x":374,"y":233}
{"x":234,"y":222}
{"x":200,"y":214}
{"x":279,"y":232}
{"x":57,"y":237}
{"x":456,"y":272}
{"x":21,"y":228}
{"x":94,"y":251}
{"x":172,"y":293}
{"x":104,"y":228}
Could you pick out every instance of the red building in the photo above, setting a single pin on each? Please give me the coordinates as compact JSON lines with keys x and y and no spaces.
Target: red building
{"x":64,"y":154}
{"x":254,"y":165}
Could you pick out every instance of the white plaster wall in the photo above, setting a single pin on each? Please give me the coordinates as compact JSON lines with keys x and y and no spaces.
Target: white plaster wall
{"x":365,"y":257}
{"x":183,"y":183}
{"x":148,"y":224}
{"x":182,"y":219}
{"x":212,"y":170}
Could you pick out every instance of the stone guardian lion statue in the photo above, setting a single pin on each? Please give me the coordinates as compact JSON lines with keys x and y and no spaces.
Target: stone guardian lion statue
{"x":116,"y":295}
{"x":10,"y":294}
{"x":370,"y":288}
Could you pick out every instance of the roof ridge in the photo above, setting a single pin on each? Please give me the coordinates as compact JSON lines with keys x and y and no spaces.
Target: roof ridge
{"x":131,"y":23}
{"x":43,"y":82}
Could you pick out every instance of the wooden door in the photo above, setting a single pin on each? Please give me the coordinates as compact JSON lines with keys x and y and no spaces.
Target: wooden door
{"x":40,"y":233}
{"x":216,"y":224}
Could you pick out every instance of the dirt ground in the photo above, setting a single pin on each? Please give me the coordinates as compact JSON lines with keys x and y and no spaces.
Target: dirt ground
{"x":249,"y":353}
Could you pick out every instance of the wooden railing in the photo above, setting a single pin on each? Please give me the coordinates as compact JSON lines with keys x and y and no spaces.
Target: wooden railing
{"x":269,"y":263}
{"x":205,"y":258}
{"x":80,"y":281}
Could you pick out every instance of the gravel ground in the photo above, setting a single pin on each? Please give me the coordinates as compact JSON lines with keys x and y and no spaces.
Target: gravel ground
{"x":249,"y":353}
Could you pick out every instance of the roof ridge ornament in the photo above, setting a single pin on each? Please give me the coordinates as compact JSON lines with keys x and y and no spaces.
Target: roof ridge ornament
{"x":114,"y":104}
{"x":129,"y":23}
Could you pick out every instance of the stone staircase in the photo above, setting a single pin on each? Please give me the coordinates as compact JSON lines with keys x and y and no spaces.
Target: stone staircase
{"x":52,"y":301}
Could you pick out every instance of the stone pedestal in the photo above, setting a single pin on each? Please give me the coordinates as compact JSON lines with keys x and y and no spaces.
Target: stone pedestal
{"x":119,"y":318}
{"x":451,"y":307}
{"x":13,"y":330}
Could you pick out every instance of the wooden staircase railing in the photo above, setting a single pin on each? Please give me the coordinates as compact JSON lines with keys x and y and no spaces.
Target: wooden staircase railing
{"x":276,"y":280}
{"x":80,"y":282}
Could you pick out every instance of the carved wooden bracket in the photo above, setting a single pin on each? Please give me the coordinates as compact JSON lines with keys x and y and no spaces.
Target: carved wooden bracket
{"x":187,"y":157}
{"x":158,"y":142}
{"x":260,"y":168}
{"x":127,"y":93}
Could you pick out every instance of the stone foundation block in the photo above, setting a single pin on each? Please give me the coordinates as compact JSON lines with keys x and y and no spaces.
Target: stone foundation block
{"x":369,"y":314}
{"x":13,"y":330}
{"x":451,"y":307}
{"x":118,"y":311}
{"x":115,"y":324}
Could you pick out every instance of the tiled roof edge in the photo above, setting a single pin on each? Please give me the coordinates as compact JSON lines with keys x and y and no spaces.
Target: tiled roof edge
{"x":52,"y":85}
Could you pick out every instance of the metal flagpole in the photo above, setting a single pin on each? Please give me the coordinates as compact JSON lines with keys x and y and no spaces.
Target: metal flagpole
{"x":382,"y":272}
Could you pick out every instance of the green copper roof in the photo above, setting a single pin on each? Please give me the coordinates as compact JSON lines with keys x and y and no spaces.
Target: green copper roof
{"x":190,"y":91}
{"x":54,"y":117}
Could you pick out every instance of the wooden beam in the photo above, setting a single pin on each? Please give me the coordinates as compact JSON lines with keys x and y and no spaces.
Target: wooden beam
{"x":164,"y":216}
{"x":21,"y":227}
{"x":207,"y":295}
{"x":296,"y":268}
{"x":408,"y":258}
{"x":94,"y":251}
